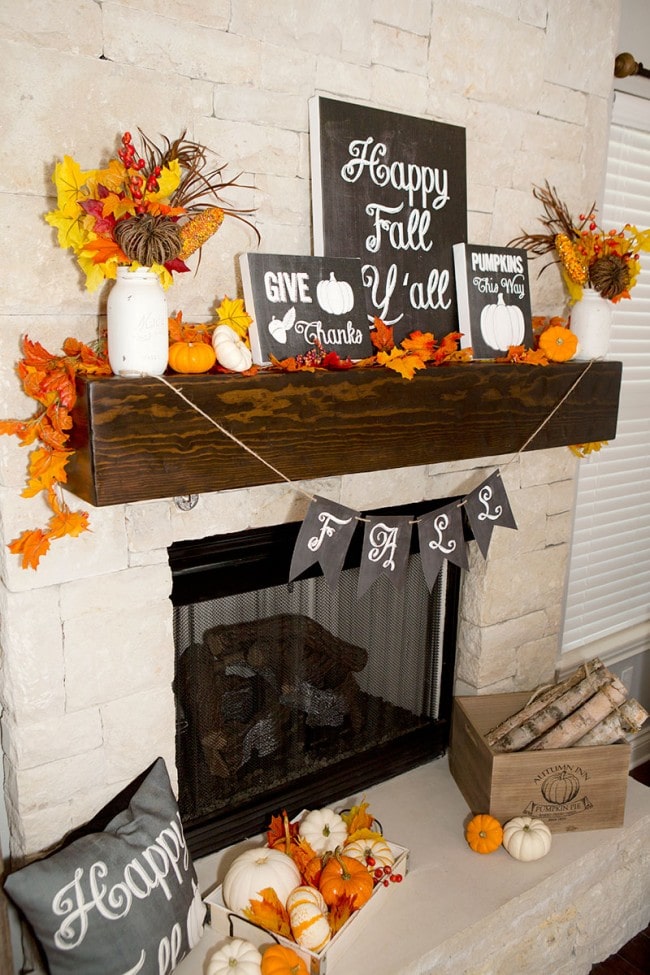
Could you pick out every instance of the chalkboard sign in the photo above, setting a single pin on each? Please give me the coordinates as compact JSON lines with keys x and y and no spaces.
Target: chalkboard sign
{"x":493,"y":298}
{"x":301,"y":303}
{"x":391,"y":190}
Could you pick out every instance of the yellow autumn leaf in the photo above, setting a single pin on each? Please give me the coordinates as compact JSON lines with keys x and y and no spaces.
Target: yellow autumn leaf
{"x":405,"y":363}
{"x":112,"y":178}
{"x":71,"y":231}
{"x":168,"y":181}
{"x":232,"y":312}
{"x":70,"y":179}
{"x":116,"y":207}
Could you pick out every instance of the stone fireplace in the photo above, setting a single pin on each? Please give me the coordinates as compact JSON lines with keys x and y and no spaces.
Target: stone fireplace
{"x":90,"y":704}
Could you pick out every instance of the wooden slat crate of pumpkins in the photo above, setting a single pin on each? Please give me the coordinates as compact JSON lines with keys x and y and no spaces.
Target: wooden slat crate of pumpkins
{"x":310,"y":887}
{"x":560,"y":754}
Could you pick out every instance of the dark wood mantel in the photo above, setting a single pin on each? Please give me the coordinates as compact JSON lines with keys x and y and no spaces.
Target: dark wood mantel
{"x":136,"y":440}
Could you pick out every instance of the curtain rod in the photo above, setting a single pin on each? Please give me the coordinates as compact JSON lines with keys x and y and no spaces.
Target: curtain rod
{"x":625,"y":66}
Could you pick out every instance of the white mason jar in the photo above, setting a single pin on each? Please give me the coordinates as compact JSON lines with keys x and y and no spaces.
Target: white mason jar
{"x":136,"y":323}
{"x":591,"y":322}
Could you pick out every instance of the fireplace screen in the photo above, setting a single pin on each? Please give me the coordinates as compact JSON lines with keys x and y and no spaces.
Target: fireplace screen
{"x":294,"y":694}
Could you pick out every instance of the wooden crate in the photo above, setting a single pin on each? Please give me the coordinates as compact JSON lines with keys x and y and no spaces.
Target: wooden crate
{"x":569,"y":788}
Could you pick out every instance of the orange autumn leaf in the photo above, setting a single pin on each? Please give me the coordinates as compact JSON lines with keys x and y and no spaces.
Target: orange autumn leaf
{"x":405,"y":363}
{"x":102,"y":249}
{"x":68,"y":522}
{"x":269,"y":912}
{"x":381,"y":336}
{"x":281,"y":832}
{"x":46,"y":468}
{"x":14,"y":428}
{"x":31,"y":546}
{"x":309,"y":864}
{"x":34,"y":354}
{"x":421,"y":343}
{"x":339,"y":913}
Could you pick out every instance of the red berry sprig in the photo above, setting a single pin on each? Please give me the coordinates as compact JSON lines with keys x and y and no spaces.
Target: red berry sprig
{"x":385,"y":876}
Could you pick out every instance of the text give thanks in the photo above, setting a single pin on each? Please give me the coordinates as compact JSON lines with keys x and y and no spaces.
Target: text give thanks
{"x":391,"y":190}
{"x":303,"y":304}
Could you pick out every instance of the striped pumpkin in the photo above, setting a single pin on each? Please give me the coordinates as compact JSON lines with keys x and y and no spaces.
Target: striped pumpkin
{"x":308,"y":918}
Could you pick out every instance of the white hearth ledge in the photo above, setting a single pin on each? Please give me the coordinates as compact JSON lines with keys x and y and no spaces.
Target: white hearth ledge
{"x":460,"y":913}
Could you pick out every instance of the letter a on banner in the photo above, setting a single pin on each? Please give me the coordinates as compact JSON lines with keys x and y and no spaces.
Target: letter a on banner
{"x":441,"y":537}
{"x":324,"y":537}
{"x":386,"y":546}
{"x":487,"y":507}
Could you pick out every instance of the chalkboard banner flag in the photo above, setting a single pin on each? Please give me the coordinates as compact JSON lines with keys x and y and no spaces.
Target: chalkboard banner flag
{"x":441,"y":537}
{"x":386,"y":547}
{"x":391,"y":189}
{"x":493,"y":294}
{"x":324,"y":538}
{"x":299,"y":303}
{"x":487,"y":507}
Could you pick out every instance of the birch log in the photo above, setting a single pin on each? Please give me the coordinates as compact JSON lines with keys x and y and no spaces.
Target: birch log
{"x":541,"y":701}
{"x":577,"y":724}
{"x":628,"y":719}
{"x":554,"y":713}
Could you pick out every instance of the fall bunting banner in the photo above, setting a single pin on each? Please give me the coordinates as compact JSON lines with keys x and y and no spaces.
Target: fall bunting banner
{"x":328,"y":527}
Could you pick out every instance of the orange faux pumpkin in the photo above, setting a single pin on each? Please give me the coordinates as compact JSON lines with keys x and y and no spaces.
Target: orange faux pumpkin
{"x":190,"y":357}
{"x":484,"y":833}
{"x":278,"y":960}
{"x":558,"y":343}
{"x":343,"y":876}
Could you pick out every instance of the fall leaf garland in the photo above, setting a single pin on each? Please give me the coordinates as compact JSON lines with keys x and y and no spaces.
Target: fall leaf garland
{"x":50,"y":380}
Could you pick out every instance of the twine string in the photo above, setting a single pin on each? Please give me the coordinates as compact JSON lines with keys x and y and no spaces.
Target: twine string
{"x":240,"y":443}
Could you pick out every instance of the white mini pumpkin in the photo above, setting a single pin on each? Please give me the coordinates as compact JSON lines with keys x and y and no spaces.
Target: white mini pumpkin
{"x":377,"y":851}
{"x":230,"y":349}
{"x":324,"y":830}
{"x":236,"y":957}
{"x":308,"y":918}
{"x":253,"y":871}
{"x":526,"y":838}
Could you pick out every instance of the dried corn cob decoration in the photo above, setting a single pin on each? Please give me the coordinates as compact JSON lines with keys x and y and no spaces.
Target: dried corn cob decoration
{"x":199,"y":229}
{"x":573,"y":264}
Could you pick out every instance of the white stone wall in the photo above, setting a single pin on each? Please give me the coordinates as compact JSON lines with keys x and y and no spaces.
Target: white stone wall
{"x":85,"y":641}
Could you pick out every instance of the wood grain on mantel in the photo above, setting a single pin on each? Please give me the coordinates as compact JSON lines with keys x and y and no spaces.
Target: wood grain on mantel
{"x":136,"y":440}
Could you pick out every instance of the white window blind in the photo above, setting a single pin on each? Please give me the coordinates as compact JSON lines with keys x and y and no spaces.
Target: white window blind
{"x":608,"y":589}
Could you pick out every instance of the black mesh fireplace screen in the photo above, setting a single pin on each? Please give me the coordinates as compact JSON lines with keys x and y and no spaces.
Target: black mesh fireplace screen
{"x":291,"y":695}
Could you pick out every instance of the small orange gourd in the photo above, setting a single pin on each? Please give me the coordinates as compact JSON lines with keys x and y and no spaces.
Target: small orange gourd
{"x":191,"y":357}
{"x":559,"y":344}
{"x":484,"y":833}
{"x":278,"y":960}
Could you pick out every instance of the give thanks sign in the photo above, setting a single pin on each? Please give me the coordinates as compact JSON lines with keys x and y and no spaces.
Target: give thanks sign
{"x":390,"y":189}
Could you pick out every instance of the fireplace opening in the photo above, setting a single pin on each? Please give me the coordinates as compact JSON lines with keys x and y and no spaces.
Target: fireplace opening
{"x":291,"y":695}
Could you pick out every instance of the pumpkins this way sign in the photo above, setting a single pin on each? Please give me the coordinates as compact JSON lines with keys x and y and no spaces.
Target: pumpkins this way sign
{"x":298,"y":303}
{"x":391,"y":189}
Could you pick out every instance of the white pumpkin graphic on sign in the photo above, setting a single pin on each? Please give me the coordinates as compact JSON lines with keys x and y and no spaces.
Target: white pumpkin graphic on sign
{"x":279,"y":327}
{"x":335,"y":297}
{"x":502,"y":325}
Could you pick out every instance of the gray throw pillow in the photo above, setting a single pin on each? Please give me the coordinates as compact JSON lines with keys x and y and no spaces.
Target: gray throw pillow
{"x":119,"y":900}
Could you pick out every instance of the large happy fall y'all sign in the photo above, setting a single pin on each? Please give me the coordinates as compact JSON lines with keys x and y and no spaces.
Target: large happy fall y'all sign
{"x":391,"y":189}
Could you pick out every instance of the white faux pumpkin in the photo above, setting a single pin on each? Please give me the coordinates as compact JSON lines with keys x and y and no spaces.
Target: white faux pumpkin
{"x":308,"y":918}
{"x":324,"y":830}
{"x":502,"y":325}
{"x":372,"y":853}
{"x":230,"y":349}
{"x":335,"y":297}
{"x":253,"y":871}
{"x":236,"y":957}
{"x":526,"y":839}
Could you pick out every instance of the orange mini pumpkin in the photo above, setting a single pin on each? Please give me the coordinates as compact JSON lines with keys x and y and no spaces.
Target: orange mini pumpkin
{"x":558,"y":343}
{"x":484,"y":833}
{"x":191,"y":357}
{"x":278,"y":960}
{"x":343,"y":876}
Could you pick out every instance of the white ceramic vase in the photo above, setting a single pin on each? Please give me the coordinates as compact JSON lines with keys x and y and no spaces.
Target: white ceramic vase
{"x":137,"y":327}
{"x":591,"y":322}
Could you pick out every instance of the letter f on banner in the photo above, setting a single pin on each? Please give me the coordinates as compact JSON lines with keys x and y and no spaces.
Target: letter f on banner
{"x":324,"y":538}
